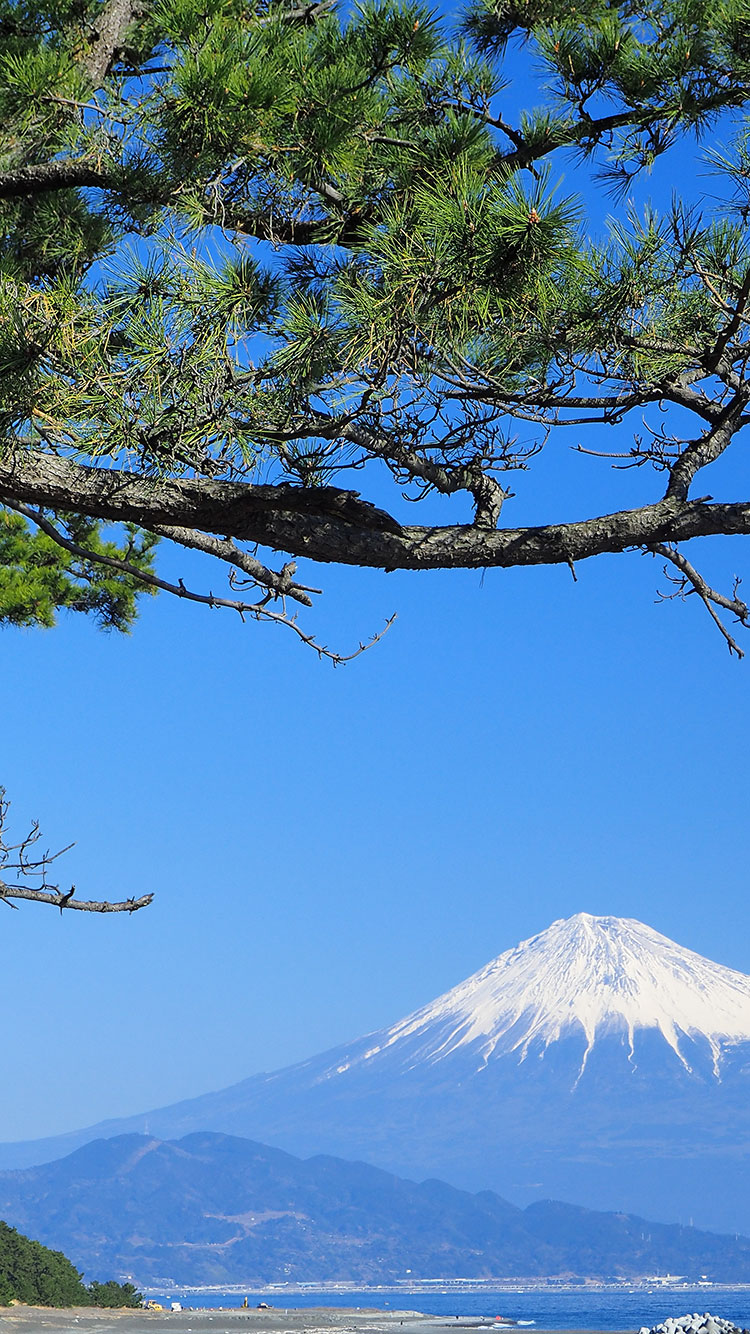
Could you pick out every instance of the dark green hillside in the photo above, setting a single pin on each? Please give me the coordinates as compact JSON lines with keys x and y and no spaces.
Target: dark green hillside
{"x":33,"y":1274}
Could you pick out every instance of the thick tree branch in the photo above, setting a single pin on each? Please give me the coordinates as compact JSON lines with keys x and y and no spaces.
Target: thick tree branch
{"x":325,"y":524}
{"x":60,"y":174}
{"x":591,"y":130}
{"x":233,"y":509}
{"x":708,"y":448}
{"x":280,"y":229}
{"x":109,"y":31}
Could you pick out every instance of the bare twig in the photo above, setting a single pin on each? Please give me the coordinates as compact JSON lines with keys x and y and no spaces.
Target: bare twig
{"x":61,"y":900}
{"x":259,"y":611}
{"x":22,"y":862}
{"x":690,"y":581}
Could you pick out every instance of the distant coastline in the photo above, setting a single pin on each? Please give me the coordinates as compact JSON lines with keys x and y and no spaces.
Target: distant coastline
{"x":467,"y":1285}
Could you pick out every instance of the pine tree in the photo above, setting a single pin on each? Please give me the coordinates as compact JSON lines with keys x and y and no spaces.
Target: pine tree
{"x":35,"y":1275}
{"x":257,"y":254}
{"x":112,"y":1294}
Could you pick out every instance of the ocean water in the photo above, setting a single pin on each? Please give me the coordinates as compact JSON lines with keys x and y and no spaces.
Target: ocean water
{"x":603,"y":1309}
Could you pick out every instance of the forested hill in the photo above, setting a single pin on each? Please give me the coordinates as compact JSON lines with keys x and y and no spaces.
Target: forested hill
{"x":217,"y":1209}
{"x":33,"y":1274}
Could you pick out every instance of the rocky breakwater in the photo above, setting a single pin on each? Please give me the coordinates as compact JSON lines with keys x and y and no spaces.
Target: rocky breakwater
{"x":694,"y":1324}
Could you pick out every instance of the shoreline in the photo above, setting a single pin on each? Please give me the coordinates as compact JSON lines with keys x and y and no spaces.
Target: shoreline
{"x":237,"y":1320}
{"x":272,"y":1319}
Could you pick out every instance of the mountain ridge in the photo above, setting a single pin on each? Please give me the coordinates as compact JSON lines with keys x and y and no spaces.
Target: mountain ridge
{"x":218,"y":1209}
{"x":650,"y":1122}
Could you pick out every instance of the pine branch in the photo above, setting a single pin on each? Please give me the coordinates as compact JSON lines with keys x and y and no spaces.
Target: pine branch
{"x":277,"y":585}
{"x":691,"y":581}
{"x":46,"y":177}
{"x":64,"y":901}
{"x":324,"y":524}
{"x":110,"y":27}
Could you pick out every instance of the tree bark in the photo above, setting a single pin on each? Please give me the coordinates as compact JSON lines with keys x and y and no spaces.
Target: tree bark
{"x":335,"y":526}
{"x":60,"y":174}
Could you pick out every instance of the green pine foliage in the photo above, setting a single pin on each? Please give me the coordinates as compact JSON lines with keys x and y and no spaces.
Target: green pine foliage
{"x":37,"y":1276}
{"x":38,"y":578}
{"x":114,"y":1294}
{"x":34,"y":1275}
{"x":272,"y":242}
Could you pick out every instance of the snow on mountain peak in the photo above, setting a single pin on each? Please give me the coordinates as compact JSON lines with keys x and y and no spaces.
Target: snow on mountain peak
{"x":583,"y":975}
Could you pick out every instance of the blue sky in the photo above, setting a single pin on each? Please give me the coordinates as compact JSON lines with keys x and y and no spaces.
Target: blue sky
{"x":330,"y":849}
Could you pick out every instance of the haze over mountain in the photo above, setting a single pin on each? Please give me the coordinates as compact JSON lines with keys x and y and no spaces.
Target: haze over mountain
{"x":598,"y":1062}
{"x":216,"y":1209}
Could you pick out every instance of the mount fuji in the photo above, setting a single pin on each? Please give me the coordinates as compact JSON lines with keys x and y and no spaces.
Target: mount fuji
{"x":598,"y":1062}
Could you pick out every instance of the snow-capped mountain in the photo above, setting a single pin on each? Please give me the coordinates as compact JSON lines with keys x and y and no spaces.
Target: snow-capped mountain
{"x":598,"y":1062}
{"x":587,"y":976}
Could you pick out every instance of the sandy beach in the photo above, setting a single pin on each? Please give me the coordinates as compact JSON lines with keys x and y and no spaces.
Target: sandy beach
{"x":321,"y":1320}
{"x":317,"y":1320}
